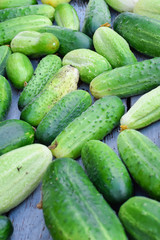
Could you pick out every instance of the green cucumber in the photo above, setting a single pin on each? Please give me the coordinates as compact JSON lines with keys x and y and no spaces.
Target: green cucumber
{"x":69,"y":39}
{"x":19,"y":70}
{"x":54,"y":3}
{"x":89,"y":63}
{"x":128,"y":81}
{"x":43,"y":74}
{"x":142,"y":33}
{"x":21,"y":171}
{"x":122,"y":5}
{"x":10,"y":13}
{"x":10,"y":28}
{"x":113,"y":47}
{"x":5,"y":97}
{"x":16,"y":3}
{"x":14,"y":134}
{"x":142,"y":158}
{"x":106,"y":172}
{"x":97,"y":13}
{"x":6,"y":228}
{"x":140,"y":217}
{"x":5,"y":52}
{"x":64,"y":112}
{"x":66,"y":16}
{"x":73,"y":208}
{"x":95,"y":123}
{"x":64,"y":81}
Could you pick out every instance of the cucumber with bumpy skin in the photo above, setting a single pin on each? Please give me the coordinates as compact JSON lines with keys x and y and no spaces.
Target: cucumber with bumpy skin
{"x":6,"y":228}
{"x":5,"y":97}
{"x":16,"y":3}
{"x":5,"y":52}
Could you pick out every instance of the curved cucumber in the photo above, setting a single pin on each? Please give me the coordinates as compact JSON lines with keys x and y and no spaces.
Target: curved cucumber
{"x":15,"y":3}
{"x":6,"y":228}
{"x":122,"y":5}
{"x":142,"y":158}
{"x":84,"y":214}
{"x":5,"y":52}
{"x":95,"y":123}
{"x":54,"y":3}
{"x":5,"y":97}
{"x":64,"y":112}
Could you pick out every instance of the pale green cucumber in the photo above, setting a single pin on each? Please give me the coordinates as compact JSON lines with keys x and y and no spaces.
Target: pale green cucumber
{"x":122,"y":5}
{"x":15,"y":3}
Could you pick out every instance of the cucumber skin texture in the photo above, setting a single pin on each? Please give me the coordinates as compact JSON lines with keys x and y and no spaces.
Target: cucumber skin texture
{"x":141,"y":156}
{"x":69,"y":39}
{"x":10,"y":28}
{"x":64,"y":81}
{"x":84,"y":214}
{"x":14,"y":134}
{"x":54,"y":3}
{"x":89,"y":63}
{"x":19,"y":69}
{"x":16,"y":3}
{"x":44,"y":10}
{"x":142,"y":33}
{"x":5,"y":52}
{"x":97,"y":13}
{"x":21,"y":171}
{"x":6,"y":228}
{"x":140,"y":217}
{"x":64,"y":112}
{"x":44,"y":72}
{"x":144,"y":112}
{"x":106,"y":172}
{"x":66,"y":16}
{"x":5,"y":97}
{"x":97,"y":121}
{"x":122,"y":6}
{"x":113,"y":47}
{"x":128,"y":80}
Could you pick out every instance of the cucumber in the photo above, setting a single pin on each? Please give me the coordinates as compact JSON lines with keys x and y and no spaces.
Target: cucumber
{"x":54,"y":3}
{"x":73,"y":208}
{"x":128,"y":81}
{"x":69,"y":39}
{"x":113,"y":47}
{"x":97,"y":13}
{"x":14,"y":134}
{"x":35,"y":44}
{"x":106,"y":172}
{"x":144,"y":112}
{"x":140,"y":217}
{"x":95,"y":123}
{"x":43,"y":74}
{"x":19,"y":70}
{"x":16,"y":3}
{"x":21,"y":171}
{"x":122,"y":5}
{"x":64,"y":81}
{"x":142,"y":33}
{"x":66,"y":16}
{"x":9,"y":13}
{"x":6,"y":228}
{"x":10,"y":28}
{"x":5,"y":97}
{"x":142,"y":158}
{"x":64,"y":112}
{"x":5,"y":52}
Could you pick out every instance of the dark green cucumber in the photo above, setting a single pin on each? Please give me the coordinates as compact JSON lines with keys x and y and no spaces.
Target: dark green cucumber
{"x":95,"y":123}
{"x":6,"y":228}
{"x":64,"y":112}
{"x":14,"y":134}
{"x":69,"y":39}
{"x":107,"y":172}
{"x":142,"y":33}
{"x":97,"y":14}
{"x":5,"y":97}
{"x":15,"y":3}
{"x":142,"y":158}
{"x":43,"y":74}
{"x":141,"y":218}
{"x":5,"y":52}
{"x":128,"y":80}
{"x":73,"y":208}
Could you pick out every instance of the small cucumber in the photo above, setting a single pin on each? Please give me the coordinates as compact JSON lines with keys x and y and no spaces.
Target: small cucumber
{"x":15,"y":3}
{"x":89,"y":63}
{"x":19,"y":70}
{"x":5,"y":97}
{"x":43,"y":74}
{"x":142,"y":158}
{"x":64,"y":81}
{"x":95,"y":123}
{"x":14,"y":134}
{"x":21,"y":171}
{"x":54,"y":3}
{"x":122,"y":5}
{"x":5,"y":52}
{"x":73,"y":208}
{"x":64,"y":112}
{"x":6,"y":228}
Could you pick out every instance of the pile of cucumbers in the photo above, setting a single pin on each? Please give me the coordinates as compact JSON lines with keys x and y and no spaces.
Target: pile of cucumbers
{"x":59,"y":120}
